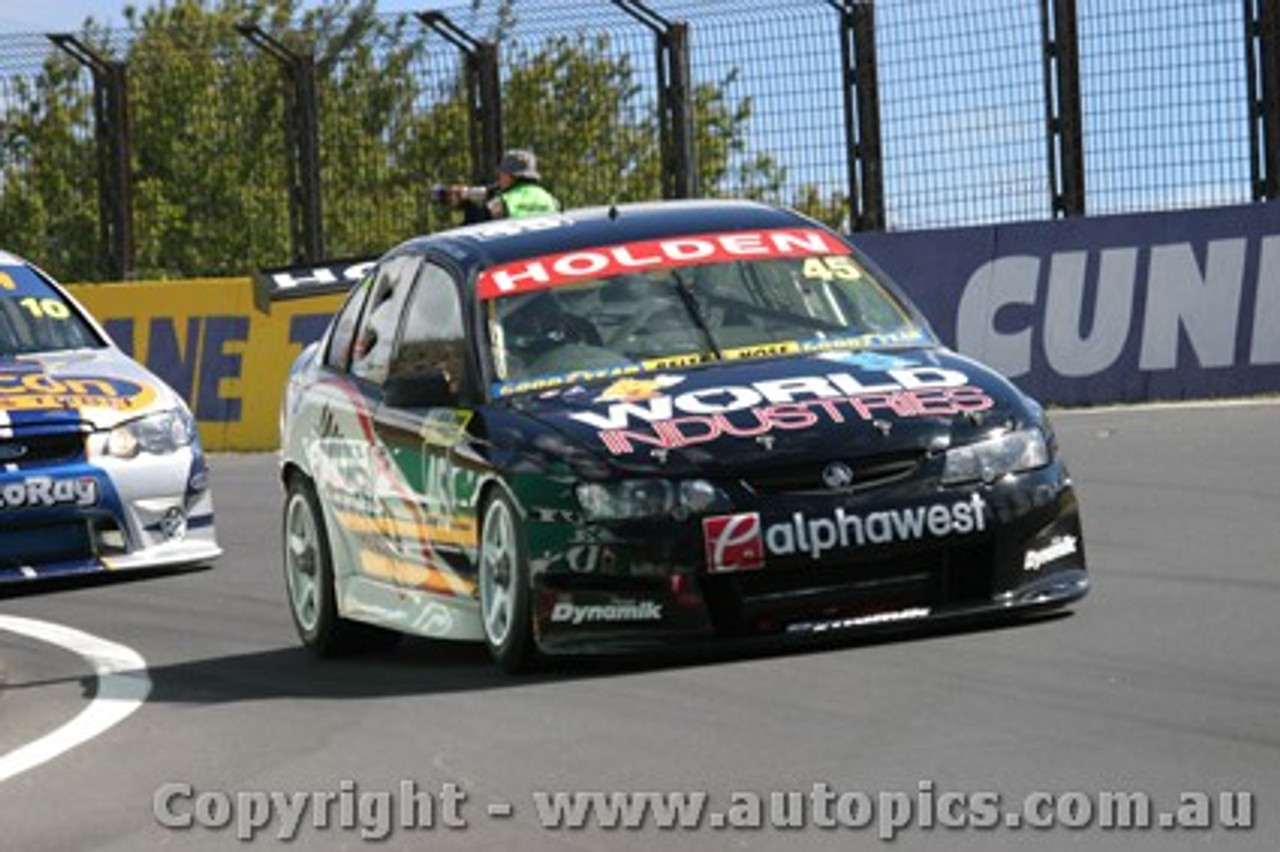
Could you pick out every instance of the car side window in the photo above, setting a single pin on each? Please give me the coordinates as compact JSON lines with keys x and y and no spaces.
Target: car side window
{"x":338,"y":353}
{"x":391,"y":285}
{"x":434,"y":332}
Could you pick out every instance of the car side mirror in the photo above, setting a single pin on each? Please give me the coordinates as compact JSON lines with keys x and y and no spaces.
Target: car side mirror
{"x":425,"y":388}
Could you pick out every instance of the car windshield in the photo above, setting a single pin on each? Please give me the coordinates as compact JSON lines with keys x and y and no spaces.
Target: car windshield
{"x":682,"y":315}
{"x":35,"y":317}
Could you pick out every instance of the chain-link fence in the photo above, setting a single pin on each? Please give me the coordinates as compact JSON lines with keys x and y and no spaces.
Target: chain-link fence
{"x":208,"y":146}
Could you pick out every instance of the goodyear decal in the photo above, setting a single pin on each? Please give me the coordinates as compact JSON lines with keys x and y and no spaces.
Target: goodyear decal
{"x":39,"y":391}
{"x":837,"y":348}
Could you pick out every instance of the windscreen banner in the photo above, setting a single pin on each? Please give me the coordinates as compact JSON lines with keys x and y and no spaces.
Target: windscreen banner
{"x":1166,"y":306}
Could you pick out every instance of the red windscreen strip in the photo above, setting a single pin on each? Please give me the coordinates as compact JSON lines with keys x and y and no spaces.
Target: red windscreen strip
{"x":540,"y":273}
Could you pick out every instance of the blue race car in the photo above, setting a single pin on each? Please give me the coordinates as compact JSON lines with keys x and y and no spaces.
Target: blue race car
{"x":101,"y":468}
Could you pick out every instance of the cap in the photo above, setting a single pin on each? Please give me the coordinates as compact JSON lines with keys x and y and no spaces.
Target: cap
{"x":519,"y":163}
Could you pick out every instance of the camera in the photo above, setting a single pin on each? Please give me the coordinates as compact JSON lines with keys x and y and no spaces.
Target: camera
{"x":443,"y":194}
{"x":458,"y":195}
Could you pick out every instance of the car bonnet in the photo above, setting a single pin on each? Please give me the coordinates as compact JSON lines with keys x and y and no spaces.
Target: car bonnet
{"x":724,"y":417}
{"x":99,"y":387}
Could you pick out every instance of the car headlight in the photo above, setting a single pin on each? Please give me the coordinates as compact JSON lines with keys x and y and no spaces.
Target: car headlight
{"x":158,"y":433}
{"x":1012,"y":452}
{"x":632,"y":499}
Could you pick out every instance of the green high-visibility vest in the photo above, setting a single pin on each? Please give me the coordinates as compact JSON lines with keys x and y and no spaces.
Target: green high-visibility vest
{"x":528,"y":199}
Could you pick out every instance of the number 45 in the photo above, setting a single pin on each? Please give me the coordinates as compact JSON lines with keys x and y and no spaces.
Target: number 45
{"x":828,"y":268}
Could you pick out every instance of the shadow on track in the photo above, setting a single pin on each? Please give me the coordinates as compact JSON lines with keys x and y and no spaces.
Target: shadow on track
{"x":428,"y":667}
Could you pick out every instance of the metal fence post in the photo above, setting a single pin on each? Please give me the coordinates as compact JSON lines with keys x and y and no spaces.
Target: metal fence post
{"x":302,"y":135}
{"x":484,"y":93}
{"x":1064,"y":123}
{"x":1262,"y":54}
{"x":676,"y":134}
{"x":112,"y":144}
{"x":860,"y":88}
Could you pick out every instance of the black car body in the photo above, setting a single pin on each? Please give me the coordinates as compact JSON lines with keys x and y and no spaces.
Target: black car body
{"x":625,"y":427}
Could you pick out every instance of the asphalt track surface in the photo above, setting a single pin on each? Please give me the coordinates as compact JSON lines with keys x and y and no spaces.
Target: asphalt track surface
{"x":1164,"y":681}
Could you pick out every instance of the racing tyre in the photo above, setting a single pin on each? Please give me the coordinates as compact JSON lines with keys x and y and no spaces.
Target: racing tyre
{"x":308,"y":575}
{"x":505,"y":587}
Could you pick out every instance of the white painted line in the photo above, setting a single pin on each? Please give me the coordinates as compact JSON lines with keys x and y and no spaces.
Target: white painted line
{"x":123,"y":686}
{"x":1174,"y":405}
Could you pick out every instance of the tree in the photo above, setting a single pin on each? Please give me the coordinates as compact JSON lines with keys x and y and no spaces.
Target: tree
{"x":48,"y":202}
{"x":211,"y":151}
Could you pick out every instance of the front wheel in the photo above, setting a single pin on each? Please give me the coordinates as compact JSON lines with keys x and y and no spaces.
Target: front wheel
{"x":504,"y":586}
{"x":309,"y":581}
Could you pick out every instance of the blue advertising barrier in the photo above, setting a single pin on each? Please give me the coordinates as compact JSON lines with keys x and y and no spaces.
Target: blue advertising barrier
{"x":1182,"y":305}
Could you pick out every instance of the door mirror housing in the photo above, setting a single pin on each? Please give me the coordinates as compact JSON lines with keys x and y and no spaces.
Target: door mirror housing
{"x":428,"y":387}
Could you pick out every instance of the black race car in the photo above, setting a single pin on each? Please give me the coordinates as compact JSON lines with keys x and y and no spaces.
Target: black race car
{"x":639,"y":425}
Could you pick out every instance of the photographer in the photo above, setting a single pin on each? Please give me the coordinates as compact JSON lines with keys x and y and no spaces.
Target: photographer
{"x":519,"y":192}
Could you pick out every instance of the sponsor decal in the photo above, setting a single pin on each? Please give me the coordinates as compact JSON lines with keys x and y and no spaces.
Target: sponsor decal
{"x":831,"y":348}
{"x":513,"y":227}
{"x":634,"y":390}
{"x":551,"y":270}
{"x":704,"y":415}
{"x":842,"y":529}
{"x":445,"y":426}
{"x":740,"y":542}
{"x":566,"y":612}
{"x":762,"y":350}
{"x":287,"y":282}
{"x":891,"y":617}
{"x":45,"y":492}
{"x":552,"y":382}
{"x":1061,"y":547}
{"x":733,"y":542}
{"x":340,"y":468}
{"x":36,"y":390}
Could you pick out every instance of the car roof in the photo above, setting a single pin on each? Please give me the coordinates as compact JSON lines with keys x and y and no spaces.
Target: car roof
{"x":501,"y":241}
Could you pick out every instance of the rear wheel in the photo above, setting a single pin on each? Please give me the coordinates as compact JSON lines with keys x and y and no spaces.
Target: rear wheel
{"x":309,"y":581}
{"x":504,"y":586}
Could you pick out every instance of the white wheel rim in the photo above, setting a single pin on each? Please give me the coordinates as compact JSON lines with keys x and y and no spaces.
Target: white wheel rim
{"x":498,"y":572}
{"x":302,"y":562}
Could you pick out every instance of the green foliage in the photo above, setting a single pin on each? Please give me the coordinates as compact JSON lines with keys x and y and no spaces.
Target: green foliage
{"x":48,"y":198}
{"x":832,"y":211}
{"x":212,"y":164}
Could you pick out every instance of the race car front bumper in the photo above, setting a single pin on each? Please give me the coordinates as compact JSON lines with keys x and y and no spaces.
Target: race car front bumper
{"x":658,"y":584}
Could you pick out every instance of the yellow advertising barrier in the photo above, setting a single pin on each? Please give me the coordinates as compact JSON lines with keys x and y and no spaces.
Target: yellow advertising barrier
{"x":211,"y":341}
